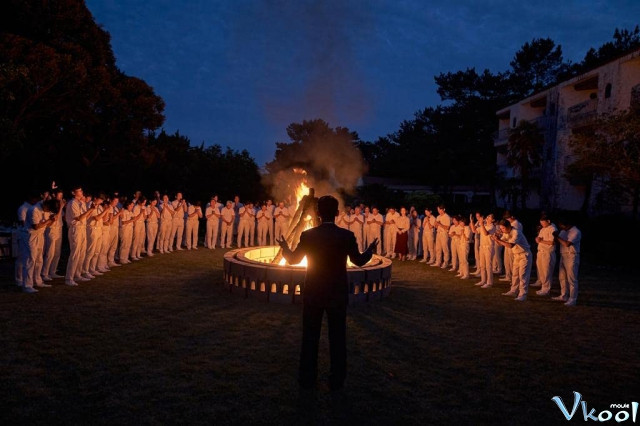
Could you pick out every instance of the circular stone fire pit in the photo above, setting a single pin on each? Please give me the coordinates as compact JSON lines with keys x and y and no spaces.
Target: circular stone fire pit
{"x":249,"y":271}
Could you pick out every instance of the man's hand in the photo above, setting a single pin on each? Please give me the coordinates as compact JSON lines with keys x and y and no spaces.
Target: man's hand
{"x":373,"y":245}
{"x":283,"y":243}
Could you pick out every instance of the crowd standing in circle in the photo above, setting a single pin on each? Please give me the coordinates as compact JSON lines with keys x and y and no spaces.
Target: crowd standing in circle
{"x":105,"y":232}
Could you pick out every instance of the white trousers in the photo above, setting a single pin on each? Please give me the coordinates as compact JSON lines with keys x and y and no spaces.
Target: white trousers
{"x":463,"y":258}
{"x":138,"y":239}
{"x":126,"y":239}
{"x":152,"y":233}
{"x":103,"y":258}
{"x":21,"y":258}
{"x":164,"y":236}
{"x":497,"y":259}
{"x":33,"y":264}
{"x":372,"y":235}
{"x":280,"y":228}
{"x":413,"y":242}
{"x":211,"y":238}
{"x":545,"y":263}
{"x":244,"y":229}
{"x":192,"y":233}
{"x":263,"y":228}
{"x":455,"y":242}
{"x":77,"y":251}
{"x":520,"y":273}
{"x":94,"y":245}
{"x":226,"y":235}
{"x":52,"y":250}
{"x":177,"y":228}
{"x":508,"y":262}
{"x":442,"y":249}
{"x":428,"y":246}
{"x":569,"y":265}
{"x":114,"y":232}
{"x":486,"y":266}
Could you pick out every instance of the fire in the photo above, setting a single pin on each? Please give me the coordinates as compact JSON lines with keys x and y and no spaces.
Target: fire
{"x":302,"y":264}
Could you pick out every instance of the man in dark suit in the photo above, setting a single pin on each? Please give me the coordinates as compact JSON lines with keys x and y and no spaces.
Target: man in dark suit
{"x":326,"y":287}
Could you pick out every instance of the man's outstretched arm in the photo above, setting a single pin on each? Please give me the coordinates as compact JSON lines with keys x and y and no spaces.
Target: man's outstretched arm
{"x":292,"y":257}
{"x":358,"y":258}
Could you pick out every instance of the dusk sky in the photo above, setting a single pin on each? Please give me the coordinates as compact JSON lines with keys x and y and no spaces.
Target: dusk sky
{"x":236,"y":73}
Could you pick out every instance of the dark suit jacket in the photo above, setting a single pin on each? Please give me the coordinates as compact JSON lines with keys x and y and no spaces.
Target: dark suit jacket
{"x":327,"y":247}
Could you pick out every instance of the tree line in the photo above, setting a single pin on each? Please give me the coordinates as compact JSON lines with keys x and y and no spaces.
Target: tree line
{"x":67,"y":113}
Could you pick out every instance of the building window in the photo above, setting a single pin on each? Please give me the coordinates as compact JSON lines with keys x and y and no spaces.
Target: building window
{"x":607,"y":91}
{"x":515,"y":121}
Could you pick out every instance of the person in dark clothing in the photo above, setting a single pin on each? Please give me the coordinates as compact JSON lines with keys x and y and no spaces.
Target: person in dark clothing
{"x":327,"y":247}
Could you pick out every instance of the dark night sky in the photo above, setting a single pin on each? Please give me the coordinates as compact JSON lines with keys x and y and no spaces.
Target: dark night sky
{"x":236,"y":73}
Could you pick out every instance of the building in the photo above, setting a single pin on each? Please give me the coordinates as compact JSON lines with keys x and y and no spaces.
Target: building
{"x":560,"y":111}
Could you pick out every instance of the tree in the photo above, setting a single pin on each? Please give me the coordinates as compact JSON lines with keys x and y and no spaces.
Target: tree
{"x":610,"y":154}
{"x":535,"y":66}
{"x":524,"y":152}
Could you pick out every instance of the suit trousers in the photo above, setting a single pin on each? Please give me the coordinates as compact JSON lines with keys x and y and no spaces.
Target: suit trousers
{"x":311,"y":325}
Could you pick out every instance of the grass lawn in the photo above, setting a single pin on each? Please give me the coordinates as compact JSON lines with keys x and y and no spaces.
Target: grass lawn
{"x":162,"y":341}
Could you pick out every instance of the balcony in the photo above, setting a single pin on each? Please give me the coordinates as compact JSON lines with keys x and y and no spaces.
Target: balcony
{"x":583,"y":113}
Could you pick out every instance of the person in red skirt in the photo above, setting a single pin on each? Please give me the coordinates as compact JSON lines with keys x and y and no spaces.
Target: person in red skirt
{"x":402,"y":223}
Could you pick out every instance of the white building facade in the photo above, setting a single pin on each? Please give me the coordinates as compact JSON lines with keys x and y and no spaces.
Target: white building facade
{"x":560,"y":111}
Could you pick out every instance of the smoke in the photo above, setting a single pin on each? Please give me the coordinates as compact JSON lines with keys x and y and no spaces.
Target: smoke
{"x":303,"y":58}
{"x":306,"y":66}
{"x":331,"y":162}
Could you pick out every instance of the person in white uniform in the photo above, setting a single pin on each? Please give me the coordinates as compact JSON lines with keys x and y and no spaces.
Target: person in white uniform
{"x":476,"y":241}
{"x":508,"y":255}
{"x":94,"y":238}
{"x":243,"y":226}
{"x":236,"y":219}
{"x":281,"y":214}
{"x":22,"y":236}
{"x":365,"y":227}
{"x":356,"y":222}
{"x":464,"y":247}
{"x":166,"y":223}
{"x":414,"y":235}
{"x":127,"y":220}
{"x":212,"y":215}
{"x":103,"y":258}
{"x":271,"y":209}
{"x":153,"y":219}
{"x":76,"y":215}
{"x":139,"y":233}
{"x":37,"y":220}
{"x":390,"y":232}
{"x":485,"y":229}
{"x":443,"y":222}
{"x":375,"y":222}
{"x":546,"y":255}
{"x":343,"y":220}
{"x":264,"y":219}
{"x":114,"y":230}
{"x":53,"y":240}
{"x":568,"y":240}
{"x":455,"y":232}
{"x":179,"y":206}
{"x":428,"y":238}
{"x":194,"y":214}
{"x":515,"y":240}
{"x":227,"y":216}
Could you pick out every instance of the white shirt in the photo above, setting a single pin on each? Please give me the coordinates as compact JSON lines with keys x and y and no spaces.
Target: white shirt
{"x":126,"y":215}
{"x":227,"y":214}
{"x":284,"y":211}
{"x":574,"y":236}
{"x":546,"y":234}
{"x":485,"y":240}
{"x":445,"y":220}
{"x":22,"y":212}
{"x":375,"y":226}
{"x":212,"y":213}
{"x":152,"y":214}
{"x":191,"y":210}
{"x":35,"y":215}
{"x":263,"y":216}
{"x":165,"y":212}
{"x":521,"y":245}
{"x":357,"y":221}
{"x":74,"y":209}
{"x":391,"y":227}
